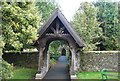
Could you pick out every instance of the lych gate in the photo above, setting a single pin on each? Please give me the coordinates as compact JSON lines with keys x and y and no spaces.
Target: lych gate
{"x":56,"y":28}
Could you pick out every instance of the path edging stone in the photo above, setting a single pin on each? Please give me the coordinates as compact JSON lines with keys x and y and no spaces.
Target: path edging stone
{"x":40,"y":76}
{"x":72,"y":77}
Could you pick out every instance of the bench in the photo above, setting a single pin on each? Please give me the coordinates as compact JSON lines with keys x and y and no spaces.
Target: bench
{"x":105,"y":75}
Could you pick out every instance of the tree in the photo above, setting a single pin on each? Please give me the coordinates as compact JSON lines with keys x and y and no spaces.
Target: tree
{"x":46,"y":8}
{"x":108,"y":16}
{"x":19,"y":26}
{"x":20,"y":22}
{"x":87,"y":26}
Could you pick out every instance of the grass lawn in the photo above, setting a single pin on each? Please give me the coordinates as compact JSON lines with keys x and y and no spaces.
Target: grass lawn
{"x":93,"y":75}
{"x":24,"y":73}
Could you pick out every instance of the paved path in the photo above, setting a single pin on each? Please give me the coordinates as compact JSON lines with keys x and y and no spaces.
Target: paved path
{"x":60,"y":71}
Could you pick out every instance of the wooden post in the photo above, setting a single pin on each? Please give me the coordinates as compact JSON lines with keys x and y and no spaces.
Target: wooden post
{"x":75,"y":61}
{"x":48,"y":59}
{"x":40,"y":59}
{"x":72,"y":61}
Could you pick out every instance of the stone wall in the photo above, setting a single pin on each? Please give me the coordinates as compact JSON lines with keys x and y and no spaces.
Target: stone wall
{"x":24,"y":59}
{"x":98,"y":61}
{"x":87,"y":61}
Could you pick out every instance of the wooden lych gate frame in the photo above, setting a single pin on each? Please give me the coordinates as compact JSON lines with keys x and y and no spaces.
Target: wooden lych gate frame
{"x":56,"y":28}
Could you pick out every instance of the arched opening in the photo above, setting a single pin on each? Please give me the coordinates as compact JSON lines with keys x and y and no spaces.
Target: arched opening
{"x":57,"y":58}
{"x":54,"y":47}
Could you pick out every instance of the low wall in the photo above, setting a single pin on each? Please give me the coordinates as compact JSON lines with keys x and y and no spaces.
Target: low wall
{"x":95,"y":61}
{"x":86,"y":61}
{"x":24,"y":59}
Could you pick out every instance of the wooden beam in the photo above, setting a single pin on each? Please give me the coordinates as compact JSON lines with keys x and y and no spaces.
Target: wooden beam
{"x":61,"y":29}
{"x":57,"y":27}
{"x":53,"y":30}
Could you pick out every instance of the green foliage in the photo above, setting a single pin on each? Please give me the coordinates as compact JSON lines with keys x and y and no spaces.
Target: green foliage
{"x":53,"y":49}
{"x":108,"y":15}
{"x":6,"y":70}
{"x":87,"y":26}
{"x":52,"y":62}
{"x":2,"y":44}
{"x":19,"y":24}
{"x":46,"y":8}
{"x":54,"y":53}
{"x":67,"y":55}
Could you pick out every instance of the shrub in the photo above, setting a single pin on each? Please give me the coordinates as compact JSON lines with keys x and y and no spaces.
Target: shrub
{"x":6,"y":70}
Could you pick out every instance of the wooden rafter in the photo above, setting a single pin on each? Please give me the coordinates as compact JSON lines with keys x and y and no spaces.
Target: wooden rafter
{"x":58,"y":30}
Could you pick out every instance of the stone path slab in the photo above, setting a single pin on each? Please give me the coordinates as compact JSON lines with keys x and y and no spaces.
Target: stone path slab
{"x":60,"y":71}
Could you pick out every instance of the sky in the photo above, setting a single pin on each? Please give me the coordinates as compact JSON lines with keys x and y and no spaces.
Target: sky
{"x":69,"y":7}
